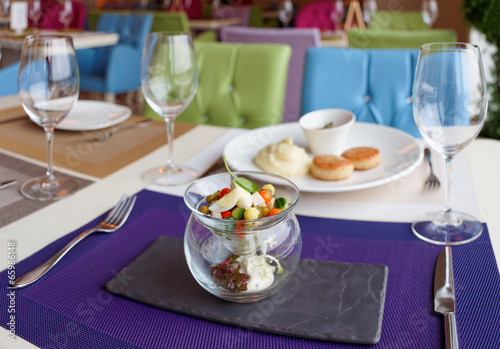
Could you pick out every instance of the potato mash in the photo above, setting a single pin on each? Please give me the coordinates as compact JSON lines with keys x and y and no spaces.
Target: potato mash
{"x":284,"y":158}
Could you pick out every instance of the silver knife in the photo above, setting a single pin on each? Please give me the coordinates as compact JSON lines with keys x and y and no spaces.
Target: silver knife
{"x":8,"y":183}
{"x":444,"y":296}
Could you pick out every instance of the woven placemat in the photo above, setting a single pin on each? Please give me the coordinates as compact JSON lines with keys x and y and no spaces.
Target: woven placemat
{"x":13,"y":205}
{"x":76,"y":151}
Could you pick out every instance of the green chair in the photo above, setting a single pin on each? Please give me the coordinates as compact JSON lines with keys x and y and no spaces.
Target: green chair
{"x":240,"y":85}
{"x":162,"y":20}
{"x":402,"y":20}
{"x":168,"y":21}
{"x":387,"y":38}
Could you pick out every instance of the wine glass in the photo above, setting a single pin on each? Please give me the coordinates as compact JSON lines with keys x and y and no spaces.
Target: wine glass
{"x":48,"y":88}
{"x":169,"y":80}
{"x":369,"y":7}
{"x":449,"y":105}
{"x":66,"y":15}
{"x":285,"y":12}
{"x":35,"y":12}
{"x":338,"y":14}
{"x":429,"y":12}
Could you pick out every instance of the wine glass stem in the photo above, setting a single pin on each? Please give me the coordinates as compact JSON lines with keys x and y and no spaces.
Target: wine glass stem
{"x":49,"y":135}
{"x":447,"y":186}
{"x":170,"y":142}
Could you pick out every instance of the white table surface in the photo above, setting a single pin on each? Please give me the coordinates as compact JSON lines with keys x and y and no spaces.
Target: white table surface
{"x":81,"y":40}
{"x":477,"y":167}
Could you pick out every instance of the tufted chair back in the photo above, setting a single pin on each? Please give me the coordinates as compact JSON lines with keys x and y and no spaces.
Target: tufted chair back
{"x":388,"y":38}
{"x":299,"y":39}
{"x":316,"y":14}
{"x":8,"y":80}
{"x":239,"y":85}
{"x":376,"y":85}
{"x":115,"y":69}
{"x":50,"y":16}
{"x":400,"y":20}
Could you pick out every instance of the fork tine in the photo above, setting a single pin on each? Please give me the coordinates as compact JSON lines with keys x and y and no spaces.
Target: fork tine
{"x":124,"y":212}
{"x":115,"y":209}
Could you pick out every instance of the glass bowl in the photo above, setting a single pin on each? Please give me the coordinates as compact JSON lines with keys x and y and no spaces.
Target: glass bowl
{"x":247,"y":260}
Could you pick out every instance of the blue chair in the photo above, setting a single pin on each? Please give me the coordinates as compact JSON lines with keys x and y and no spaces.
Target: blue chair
{"x":115,"y":69}
{"x":8,"y":80}
{"x":376,"y":85}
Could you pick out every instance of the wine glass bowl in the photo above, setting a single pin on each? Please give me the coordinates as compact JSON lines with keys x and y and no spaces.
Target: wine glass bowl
{"x":48,"y":88}
{"x":285,"y":12}
{"x":210,"y":241}
{"x":449,"y":106}
{"x":169,"y":80}
{"x":429,"y":12}
{"x":66,"y":14}
{"x":35,"y":12}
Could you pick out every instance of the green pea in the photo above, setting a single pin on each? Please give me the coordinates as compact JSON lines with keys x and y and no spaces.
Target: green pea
{"x":280,"y":203}
{"x":238,"y":213}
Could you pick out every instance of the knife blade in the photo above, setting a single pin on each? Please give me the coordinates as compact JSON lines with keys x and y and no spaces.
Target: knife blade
{"x":444,"y":296}
{"x":8,"y":183}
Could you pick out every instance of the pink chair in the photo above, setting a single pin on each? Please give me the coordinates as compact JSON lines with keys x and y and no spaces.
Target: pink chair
{"x":299,"y":39}
{"x":192,"y":8}
{"x":50,"y":17}
{"x":316,"y":14}
{"x":228,"y":11}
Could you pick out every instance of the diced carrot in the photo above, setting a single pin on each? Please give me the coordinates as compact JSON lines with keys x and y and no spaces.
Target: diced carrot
{"x":265,"y":195}
{"x":224,"y":192}
{"x":226,"y":214}
{"x":274,"y":211}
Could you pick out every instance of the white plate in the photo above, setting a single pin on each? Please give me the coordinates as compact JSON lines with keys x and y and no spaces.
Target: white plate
{"x":401,"y":154}
{"x":94,"y":115}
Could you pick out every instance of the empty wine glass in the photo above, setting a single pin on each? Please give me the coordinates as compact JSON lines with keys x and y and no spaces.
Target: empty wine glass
{"x":449,"y":106}
{"x":169,"y":80}
{"x":337,"y":14}
{"x":285,"y":12}
{"x":369,"y":7}
{"x":66,"y":15}
{"x":35,"y":12}
{"x":48,"y":88}
{"x":429,"y":12}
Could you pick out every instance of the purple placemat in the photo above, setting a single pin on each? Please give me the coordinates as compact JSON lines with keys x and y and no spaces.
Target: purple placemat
{"x":69,"y":308}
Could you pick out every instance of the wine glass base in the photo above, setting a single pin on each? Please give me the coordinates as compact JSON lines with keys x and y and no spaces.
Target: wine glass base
{"x":466,"y":229}
{"x":43,"y":189}
{"x":170,"y":177}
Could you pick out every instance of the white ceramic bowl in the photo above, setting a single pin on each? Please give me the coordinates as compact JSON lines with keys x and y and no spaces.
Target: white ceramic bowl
{"x":327,"y":140}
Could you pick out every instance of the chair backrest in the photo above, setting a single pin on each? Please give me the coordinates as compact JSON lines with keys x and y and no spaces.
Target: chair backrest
{"x":132,"y":29}
{"x":376,"y":85}
{"x":401,"y":20}
{"x":8,"y":80}
{"x":299,"y":39}
{"x":192,"y":8}
{"x":228,"y":11}
{"x":168,"y":21}
{"x":316,"y":14}
{"x":239,"y":85}
{"x":387,"y":38}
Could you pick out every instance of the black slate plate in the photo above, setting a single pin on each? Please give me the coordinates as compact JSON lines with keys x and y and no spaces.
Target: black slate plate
{"x":331,"y":301}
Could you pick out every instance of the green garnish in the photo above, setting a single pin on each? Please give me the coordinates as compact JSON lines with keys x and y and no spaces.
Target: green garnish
{"x":280,"y":203}
{"x":329,"y":125}
{"x":246,"y":184}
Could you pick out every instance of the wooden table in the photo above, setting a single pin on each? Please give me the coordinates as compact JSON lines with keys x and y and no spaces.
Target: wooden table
{"x":212,"y":24}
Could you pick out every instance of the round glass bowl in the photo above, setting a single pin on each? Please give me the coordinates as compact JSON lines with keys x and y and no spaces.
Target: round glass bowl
{"x":247,"y":260}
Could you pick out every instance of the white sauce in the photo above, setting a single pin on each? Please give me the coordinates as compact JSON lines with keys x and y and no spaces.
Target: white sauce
{"x":261,"y":274}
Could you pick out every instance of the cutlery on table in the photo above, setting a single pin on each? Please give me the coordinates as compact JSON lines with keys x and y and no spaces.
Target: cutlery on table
{"x":8,"y":183}
{"x":113,"y":221}
{"x":432,"y":180}
{"x":444,"y":296}
{"x":106,"y":135}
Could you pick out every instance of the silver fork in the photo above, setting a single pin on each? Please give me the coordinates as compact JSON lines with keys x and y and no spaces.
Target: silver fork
{"x":106,"y":135}
{"x":432,"y":181}
{"x":113,"y":221}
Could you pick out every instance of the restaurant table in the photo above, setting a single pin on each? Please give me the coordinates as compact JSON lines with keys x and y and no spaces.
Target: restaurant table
{"x":201,"y":146}
{"x":212,"y":24}
{"x":81,"y":39}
